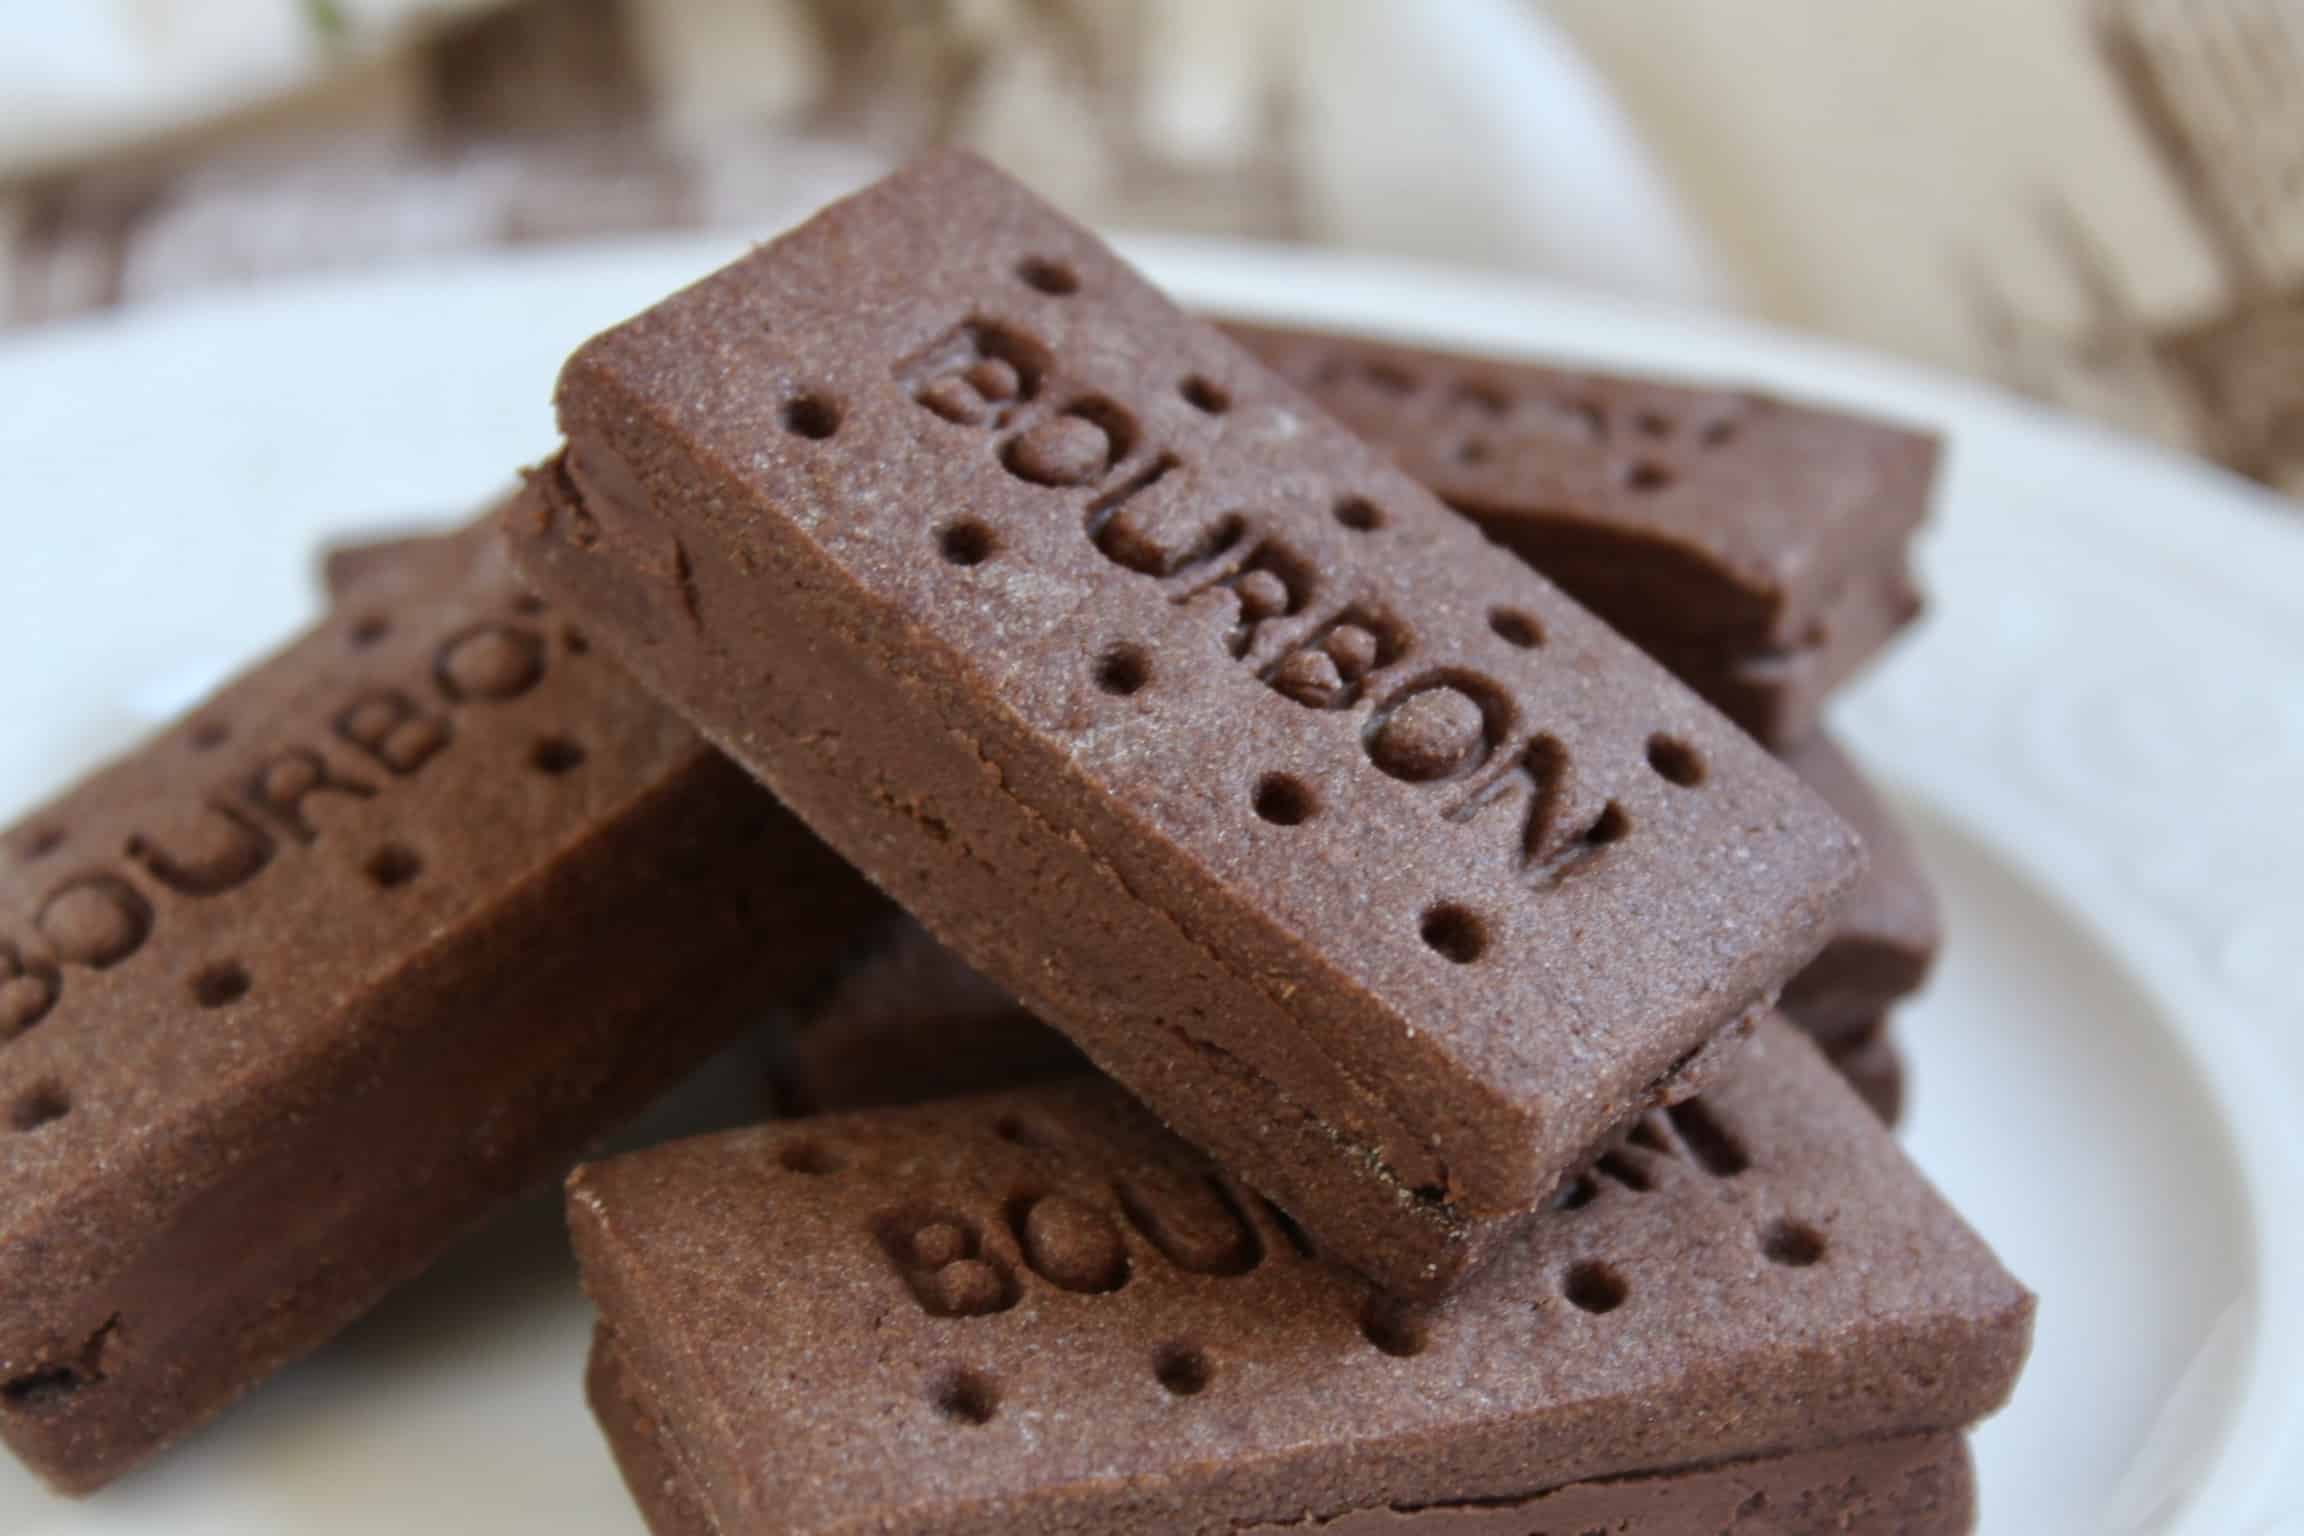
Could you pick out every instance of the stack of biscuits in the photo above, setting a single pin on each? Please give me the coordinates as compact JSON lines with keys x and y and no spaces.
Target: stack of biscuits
{"x":1328,"y":977}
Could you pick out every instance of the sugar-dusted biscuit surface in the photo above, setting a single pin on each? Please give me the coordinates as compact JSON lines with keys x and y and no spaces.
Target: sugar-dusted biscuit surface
{"x":1370,"y":861}
{"x":1913,"y":1485}
{"x":378,"y":935}
{"x":1885,"y":942}
{"x":1037,"y":1311}
{"x":1674,"y":510}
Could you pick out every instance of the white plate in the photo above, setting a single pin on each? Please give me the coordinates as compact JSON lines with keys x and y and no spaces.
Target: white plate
{"x":2098,"y":734}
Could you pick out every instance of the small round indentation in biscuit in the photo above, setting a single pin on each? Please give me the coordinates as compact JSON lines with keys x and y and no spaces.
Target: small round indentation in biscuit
{"x":220,"y":985}
{"x":393,"y":865}
{"x":1720,"y":433}
{"x":1394,"y":1327}
{"x":811,"y":1157}
{"x":966,"y":542}
{"x":1793,"y":1244}
{"x":1648,"y":475}
{"x":1474,"y":450}
{"x":1516,"y":628}
{"x":556,"y":755}
{"x":42,"y":1104}
{"x":1285,"y":800}
{"x":1388,"y":377}
{"x":44,"y":841}
{"x":368,"y":629}
{"x":209,"y":734}
{"x":1652,"y":424}
{"x":965,"y":1397}
{"x":1123,"y":670}
{"x":1016,"y":1129}
{"x":528,"y":603}
{"x":575,"y":641}
{"x":1675,"y":761}
{"x":1184,"y":1370}
{"x":1359,"y":514}
{"x":1479,"y":395}
{"x":1454,"y":932}
{"x":814,"y":417}
{"x":1204,"y":396}
{"x":1048,"y":276}
{"x":1595,"y":1287}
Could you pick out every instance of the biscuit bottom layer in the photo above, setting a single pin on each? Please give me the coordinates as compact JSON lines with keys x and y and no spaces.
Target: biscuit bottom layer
{"x":1914,"y":1485}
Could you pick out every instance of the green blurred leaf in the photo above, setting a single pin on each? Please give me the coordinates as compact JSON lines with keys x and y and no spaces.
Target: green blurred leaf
{"x":327,"y":18}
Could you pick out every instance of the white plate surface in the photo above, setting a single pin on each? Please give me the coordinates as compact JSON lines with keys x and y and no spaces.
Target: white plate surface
{"x":2098,"y":735}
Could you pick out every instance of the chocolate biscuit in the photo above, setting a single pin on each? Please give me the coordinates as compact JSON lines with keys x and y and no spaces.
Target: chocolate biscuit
{"x":1754,"y":545}
{"x":1914,"y":1485}
{"x":1779,"y":695}
{"x":1874,"y":1067}
{"x":1036,"y":1311}
{"x":379,"y":935}
{"x":1372,"y":863}
{"x":345,"y":563}
{"x":910,"y":1022}
{"x":1885,"y":939}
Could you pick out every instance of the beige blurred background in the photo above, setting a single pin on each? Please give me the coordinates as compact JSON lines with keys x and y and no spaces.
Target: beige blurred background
{"x":2096,"y":202}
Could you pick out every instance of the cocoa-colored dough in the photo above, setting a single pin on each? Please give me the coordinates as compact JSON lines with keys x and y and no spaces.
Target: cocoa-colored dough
{"x":1885,"y":939}
{"x":1149,"y":732}
{"x":1754,"y":545}
{"x":1035,"y":1312}
{"x":1911,"y":1485}
{"x":911,"y":1022}
{"x":381,"y":934}
{"x":1779,"y":696}
{"x":345,"y":563}
{"x":1874,"y":1067}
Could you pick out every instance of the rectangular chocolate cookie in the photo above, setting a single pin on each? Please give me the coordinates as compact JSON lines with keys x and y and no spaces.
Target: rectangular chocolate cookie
{"x":911,"y":1022}
{"x":1874,"y":1067}
{"x":345,"y":563}
{"x":1035,"y":1311}
{"x":1779,"y":696}
{"x":1755,"y":546}
{"x":1885,"y":939}
{"x":382,"y":933}
{"x":1913,"y":1485}
{"x":906,"y":1023}
{"x":1372,"y":863}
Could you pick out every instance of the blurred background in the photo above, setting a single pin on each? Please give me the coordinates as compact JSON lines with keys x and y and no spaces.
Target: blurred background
{"x":2099,"y":203}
